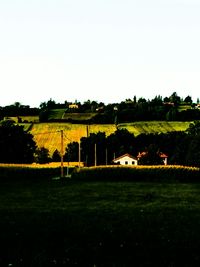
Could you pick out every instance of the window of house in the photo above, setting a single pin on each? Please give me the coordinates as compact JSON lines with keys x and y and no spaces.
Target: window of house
{"x":133,"y":162}
{"x":126,"y":162}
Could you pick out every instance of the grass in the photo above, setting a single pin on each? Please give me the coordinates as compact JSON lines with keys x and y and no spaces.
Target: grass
{"x":79,"y":116}
{"x":26,"y":118}
{"x":184,"y":107}
{"x":48,"y":134}
{"x":68,"y":223}
{"x":56,"y":113}
{"x":154,"y":126}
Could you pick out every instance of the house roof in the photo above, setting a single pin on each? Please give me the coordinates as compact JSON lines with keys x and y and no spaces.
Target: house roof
{"x":161,"y":155}
{"x":125,"y":155}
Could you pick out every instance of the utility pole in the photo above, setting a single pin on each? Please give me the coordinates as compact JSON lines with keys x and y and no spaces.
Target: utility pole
{"x":106,"y":156}
{"x":79,"y":154}
{"x":61,"y":154}
{"x":95,"y":154}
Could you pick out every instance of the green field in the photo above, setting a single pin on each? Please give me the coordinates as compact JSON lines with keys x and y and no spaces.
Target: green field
{"x":68,"y":223}
{"x":78,"y":116}
{"x":154,"y":126}
{"x":48,"y":134}
{"x":56,"y":114}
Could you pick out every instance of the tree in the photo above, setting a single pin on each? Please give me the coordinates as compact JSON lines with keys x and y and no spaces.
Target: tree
{"x":44,"y":115}
{"x":193,"y":152}
{"x":56,"y":156}
{"x":188,"y":99}
{"x":174,"y":98}
{"x":151,"y":156}
{"x":16,"y":145}
{"x":120,"y":142}
{"x":42,"y":155}
{"x":194,"y":128}
{"x":88,"y":145}
{"x":71,"y":153}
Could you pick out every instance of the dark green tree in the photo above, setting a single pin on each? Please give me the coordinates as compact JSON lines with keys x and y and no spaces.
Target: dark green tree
{"x":151,"y":156}
{"x":193,"y":152}
{"x":71,"y":153}
{"x":188,"y":99}
{"x":88,"y":145}
{"x":194,"y":128}
{"x":16,"y":145}
{"x":120,"y":142}
{"x":56,"y":156}
{"x":174,"y":98}
{"x":42,"y":155}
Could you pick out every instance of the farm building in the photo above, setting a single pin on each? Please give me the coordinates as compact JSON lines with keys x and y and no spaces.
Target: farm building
{"x":161,"y":155}
{"x":126,"y":159}
{"x":73,"y":106}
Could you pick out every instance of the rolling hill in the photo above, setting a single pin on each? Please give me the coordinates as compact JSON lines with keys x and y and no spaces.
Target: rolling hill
{"x":48,"y":134}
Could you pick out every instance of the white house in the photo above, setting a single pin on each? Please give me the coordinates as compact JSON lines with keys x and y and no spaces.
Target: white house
{"x":126,"y":159}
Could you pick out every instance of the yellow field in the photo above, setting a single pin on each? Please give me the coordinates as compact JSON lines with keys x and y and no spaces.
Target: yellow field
{"x":49,"y":134}
{"x":46,"y":165}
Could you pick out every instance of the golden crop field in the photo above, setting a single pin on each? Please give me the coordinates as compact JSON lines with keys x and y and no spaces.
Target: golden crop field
{"x":49,"y":134}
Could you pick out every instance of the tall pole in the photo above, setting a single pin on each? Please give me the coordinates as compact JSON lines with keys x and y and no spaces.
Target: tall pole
{"x":95,"y":154}
{"x":61,"y":154}
{"x":106,"y":156}
{"x":79,"y":154}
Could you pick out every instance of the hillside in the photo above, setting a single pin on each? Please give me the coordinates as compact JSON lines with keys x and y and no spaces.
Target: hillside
{"x":48,"y":134}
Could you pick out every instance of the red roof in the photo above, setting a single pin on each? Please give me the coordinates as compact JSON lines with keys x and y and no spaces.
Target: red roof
{"x":142,"y":154}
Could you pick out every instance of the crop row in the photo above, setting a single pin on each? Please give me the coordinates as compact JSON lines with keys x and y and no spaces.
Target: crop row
{"x":138,"y":173}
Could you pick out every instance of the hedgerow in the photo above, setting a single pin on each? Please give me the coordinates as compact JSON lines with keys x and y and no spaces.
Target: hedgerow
{"x":138,"y":173}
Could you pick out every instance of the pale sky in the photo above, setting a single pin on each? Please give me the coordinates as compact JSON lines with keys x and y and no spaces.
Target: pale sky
{"x":102,"y":50}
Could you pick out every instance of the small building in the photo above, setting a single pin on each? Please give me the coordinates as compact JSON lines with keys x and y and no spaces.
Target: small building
{"x":73,"y":106}
{"x":126,"y":159}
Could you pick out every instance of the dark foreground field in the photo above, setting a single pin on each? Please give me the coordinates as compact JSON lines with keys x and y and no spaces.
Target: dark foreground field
{"x":71,"y":223}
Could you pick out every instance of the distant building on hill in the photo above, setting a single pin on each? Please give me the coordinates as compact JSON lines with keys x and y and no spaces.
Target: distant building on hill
{"x":73,"y":106}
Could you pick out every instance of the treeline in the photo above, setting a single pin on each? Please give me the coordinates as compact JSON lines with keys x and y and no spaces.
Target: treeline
{"x":17,"y":109}
{"x":170,"y":108}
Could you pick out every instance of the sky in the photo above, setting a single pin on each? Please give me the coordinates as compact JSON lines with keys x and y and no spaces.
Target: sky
{"x":102,"y":50}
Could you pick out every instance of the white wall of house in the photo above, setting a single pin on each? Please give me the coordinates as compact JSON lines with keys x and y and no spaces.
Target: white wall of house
{"x":126,"y":160}
{"x":165,"y":161}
